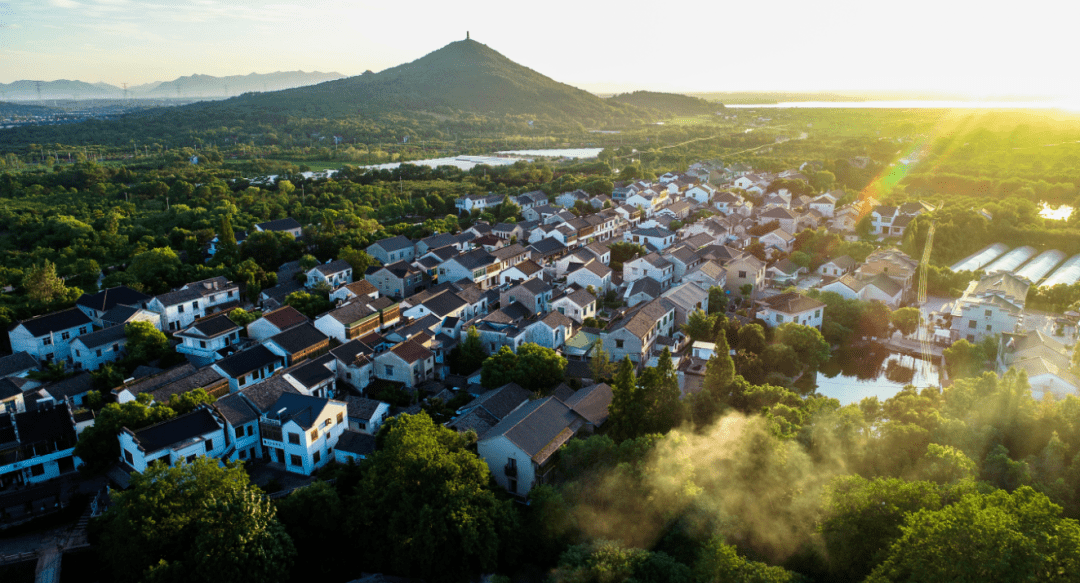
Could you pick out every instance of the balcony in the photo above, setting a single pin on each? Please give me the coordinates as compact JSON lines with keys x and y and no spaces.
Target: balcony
{"x":510,"y":470}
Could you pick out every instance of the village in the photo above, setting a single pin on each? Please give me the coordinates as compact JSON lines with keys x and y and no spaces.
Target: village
{"x":293,"y":393}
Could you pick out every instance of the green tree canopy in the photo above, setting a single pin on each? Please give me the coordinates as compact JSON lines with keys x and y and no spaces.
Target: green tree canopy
{"x":193,"y":522}
{"x":423,"y":508}
{"x":144,"y":342}
{"x":157,"y":270}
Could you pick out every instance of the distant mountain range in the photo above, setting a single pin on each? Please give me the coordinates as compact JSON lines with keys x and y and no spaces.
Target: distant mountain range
{"x":191,"y":86}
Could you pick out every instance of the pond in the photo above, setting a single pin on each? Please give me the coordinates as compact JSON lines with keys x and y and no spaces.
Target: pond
{"x":872,"y":371}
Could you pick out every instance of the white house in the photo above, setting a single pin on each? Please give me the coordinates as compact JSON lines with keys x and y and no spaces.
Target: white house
{"x":392,"y":250}
{"x":791,"y":307}
{"x":248,"y":367}
{"x":275,"y":322}
{"x":366,"y":415}
{"x":992,"y":305}
{"x":184,"y":438}
{"x":37,"y":445}
{"x":575,"y":304}
{"x":659,"y":237}
{"x":334,"y":274}
{"x":241,"y":427}
{"x":48,"y":338}
{"x":201,"y":341}
{"x":179,"y":309}
{"x":837,"y":266}
{"x":301,"y":431}
{"x":700,"y":193}
{"x":651,"y":265}
{"x":92,"y":350}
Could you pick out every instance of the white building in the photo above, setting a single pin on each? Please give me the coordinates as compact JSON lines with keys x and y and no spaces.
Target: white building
{"x":301,"y":431}
{"x":37,"y":445}
{"x":183,"y":438}
{"x":179,"y":309}
{"x":201,"y":341}
{"x":48,"y":338}
{"x":92,"y":350}
{"x":791,"y":307}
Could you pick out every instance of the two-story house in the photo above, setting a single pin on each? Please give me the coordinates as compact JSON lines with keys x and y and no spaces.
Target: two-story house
{"x":37,"y":445}
{"x":535,"y":294}
{"x":477,"y":266}
{"x":48,"y":338}
{"x":90,"y":351}
{"x":576,"y":304}
{"x":392,"y":250}
{"x":334,"y":274}
{"x":275,"y":322}
{"x":183,"y":438}
{"x":396,"y":280}
{"x":179,"y":309}
{"x":202,"y":341}
{"x":95,"y":306}
{"x":652,"y":265}
{"x":655,"y":238}
{"x":301,"y":431}
{"x":992,"y":305}
{"x":791,"y":307}
{"x":635,"y":334}
{"x":409,"y":362}
{"x":298,"y":343}
{"x":249,"y":366}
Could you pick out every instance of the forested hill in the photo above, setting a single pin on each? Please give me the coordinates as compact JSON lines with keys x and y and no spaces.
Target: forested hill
{"x":464,"y":75}
{"x":667,"y":103}
{"x":9,"y":110}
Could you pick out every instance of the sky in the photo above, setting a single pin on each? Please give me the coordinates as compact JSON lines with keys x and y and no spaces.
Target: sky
{"x":967,"y":48}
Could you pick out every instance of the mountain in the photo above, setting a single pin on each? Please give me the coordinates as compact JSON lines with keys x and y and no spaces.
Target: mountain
{"x":61,"y":89}
{"x":209,"y":86}
{"x":670,"y":103}
{"x":462,"y":76}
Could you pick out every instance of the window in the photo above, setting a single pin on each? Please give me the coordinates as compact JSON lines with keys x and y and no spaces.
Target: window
{"x":340,"y":417}
{"x":116,"y":347}
{"x":239,"y":431}
{"x":618,"y":343}
{"x":817,"y":313}
{"x":202,"y":344}
{"x":37,"y":470}
{"x":294,"y":438}
{"x":65,"y":335}
{"x":971,"y":338}
{"x":194,"y":305}
{"x":243,"y":454}
{"x":209,"y":444}
{"x":327,"y":422}
{"x":972,"y":324}
{"x":389,"y":370}
{"x":127,"y":456}
{"x":228,"y":295}
{"x":317,"y":456}
{"x":314,"y":434}
{"x":512,"y":487}
{"x":77,"y":353}
{"x":989,"y":327}
{"x":742,"y":274}
{"x":250,"y":430}
{"x":180,"y":308}
{"x":242,"y":381}
{"x":779,"y":318}
{"x":47,"y":341}
{"x":295,"y":460}
{"x":989,"y":313}
{"x":82,"y":330}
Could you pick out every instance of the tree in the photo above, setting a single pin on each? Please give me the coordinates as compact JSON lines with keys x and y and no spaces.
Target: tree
{"x":719,"y":562}
{"x":720,"y":369}
{"x":539,"y":369}
{"x":498,"y":369}
{"x":42,"y":285}
{"x":157,"y":269}
{"x":986,"y":537}
{"x":752,"y":338}
{"x":801,"y":259}
{"x":193,"y":522}
{"x":906,"y":320}
{"x":310,"y":305}
{"x":187,"y":402}
{"x":874,"y":320}
{"x":358,"y":259}
{"x":746,"y":289}
{"x":144,"y":343}
{"x":822,"y":180}
{"x":470,"y":352}
{"x":600,"y":362}
{"x":718,"y":299}
{"x":423,"y":508}
{"x":227,"y":250}
{"x":311,"y":515}
{"x":626,"y":409}
{"x":605,"y":561}
{"x":699,"y":325}
{"x":660,"y":397}
{"x":810,"y":347}
{"x":964,"y":359}
{"x":242,"y":317}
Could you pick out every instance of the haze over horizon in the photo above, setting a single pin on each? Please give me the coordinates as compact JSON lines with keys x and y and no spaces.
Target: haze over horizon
{"x":834,"y":45}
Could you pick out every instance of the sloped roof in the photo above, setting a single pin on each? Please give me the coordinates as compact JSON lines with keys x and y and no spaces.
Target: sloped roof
{"x":336,"y":266}
{"x":103,"y":337}
{"x":236,"y":410}
{"x":299,"y":338}
{"x":302,"y":409}
{"x":177,"y":430}
{"x":538,"y":427}
{"x":18,"y":362}
{"x":501,"y":401}
{"x":55,"y":322}
{"x":792,"y":303}
{"x":107,"y":299}
{"x":248,"y":360}
{"x":214,"y":326}
{"x":361,"y":408}
{"x":411,"y":351}
{"x":263,"y":395}
{"x":286,"y":224}
{"x":286,"y":317}
{"x":355,"y":442}
{"x":592,"y":403}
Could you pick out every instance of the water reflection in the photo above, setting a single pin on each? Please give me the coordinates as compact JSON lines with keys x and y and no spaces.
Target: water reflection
{"x":872,"y":370}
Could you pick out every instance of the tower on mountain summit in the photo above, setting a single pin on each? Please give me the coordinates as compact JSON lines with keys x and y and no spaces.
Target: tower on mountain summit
{"x":466,"y":35}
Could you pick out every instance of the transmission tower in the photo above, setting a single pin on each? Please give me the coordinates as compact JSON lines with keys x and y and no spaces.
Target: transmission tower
{"x":923,"y":269}
{"x":124,"y":85}
{"x":37,"y":84}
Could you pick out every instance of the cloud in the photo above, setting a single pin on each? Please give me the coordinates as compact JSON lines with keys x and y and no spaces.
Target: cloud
{"x":64,"y":4}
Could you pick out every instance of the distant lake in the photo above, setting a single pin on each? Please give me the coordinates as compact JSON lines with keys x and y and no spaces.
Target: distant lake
{"x":854,"y":374}
{"x":556,"y":153}
{"x":908,"y":104}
